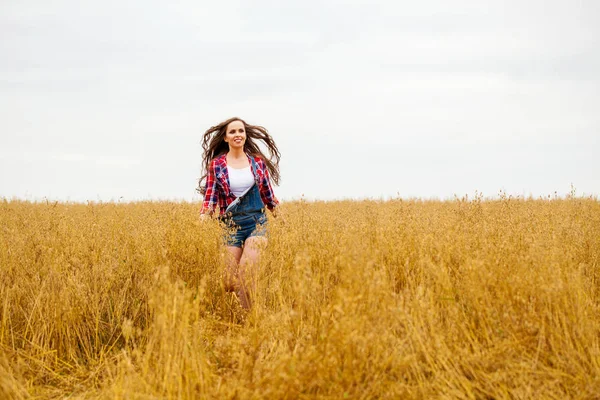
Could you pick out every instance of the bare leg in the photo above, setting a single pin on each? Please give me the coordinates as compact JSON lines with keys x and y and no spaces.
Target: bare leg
{"x":249,"y":268}
{"x":232,"y":259}
{"x":234,"y":276}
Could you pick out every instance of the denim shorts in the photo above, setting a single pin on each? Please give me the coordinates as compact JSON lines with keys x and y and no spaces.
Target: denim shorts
{"x":241,"y":227}
{"x":245,"y":218}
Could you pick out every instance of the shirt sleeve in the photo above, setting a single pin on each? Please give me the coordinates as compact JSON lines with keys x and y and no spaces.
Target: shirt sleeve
{"x":210,"y":196}
{"x":266,"y":190}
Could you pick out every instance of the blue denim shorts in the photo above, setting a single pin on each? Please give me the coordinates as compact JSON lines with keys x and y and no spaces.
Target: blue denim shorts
{"x":241,"y":227}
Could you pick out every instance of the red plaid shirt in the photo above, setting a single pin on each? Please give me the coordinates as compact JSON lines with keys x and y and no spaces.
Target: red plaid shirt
{"x":219,"y":193}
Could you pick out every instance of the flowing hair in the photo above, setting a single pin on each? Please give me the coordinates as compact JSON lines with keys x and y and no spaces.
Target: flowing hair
{"x":213,"y":145}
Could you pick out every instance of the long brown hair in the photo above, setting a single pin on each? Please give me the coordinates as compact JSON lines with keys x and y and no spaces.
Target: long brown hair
{"x":214,"y":145}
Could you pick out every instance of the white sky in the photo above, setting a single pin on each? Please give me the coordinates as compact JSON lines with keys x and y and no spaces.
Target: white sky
{"x":103,"y":100}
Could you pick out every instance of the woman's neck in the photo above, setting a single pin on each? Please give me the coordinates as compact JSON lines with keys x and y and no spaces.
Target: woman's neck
{"x":236,"y":153}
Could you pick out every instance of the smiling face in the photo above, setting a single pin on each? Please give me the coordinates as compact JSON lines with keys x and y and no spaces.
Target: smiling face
{"x":235,"y":135}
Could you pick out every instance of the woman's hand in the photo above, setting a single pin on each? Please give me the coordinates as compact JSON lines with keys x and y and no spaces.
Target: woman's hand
{"x":204,"y":217}
{"x":278,"y":214}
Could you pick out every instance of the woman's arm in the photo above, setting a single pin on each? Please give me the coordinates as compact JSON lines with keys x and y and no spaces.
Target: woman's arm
{"x":266,"y":190}
{"x":210,"y":196}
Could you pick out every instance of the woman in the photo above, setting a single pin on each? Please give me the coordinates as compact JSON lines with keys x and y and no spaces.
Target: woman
{"x":238,"y":176}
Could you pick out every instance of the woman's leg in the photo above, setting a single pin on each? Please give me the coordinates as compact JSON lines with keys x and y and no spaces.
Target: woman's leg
{"x":248,"y":268}
{"x":232,"y":260}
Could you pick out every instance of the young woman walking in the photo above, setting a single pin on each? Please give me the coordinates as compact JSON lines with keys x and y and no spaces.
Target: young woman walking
{"x":237,"y":178}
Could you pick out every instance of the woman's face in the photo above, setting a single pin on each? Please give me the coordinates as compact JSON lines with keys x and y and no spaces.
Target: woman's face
{"x":235,"y":135}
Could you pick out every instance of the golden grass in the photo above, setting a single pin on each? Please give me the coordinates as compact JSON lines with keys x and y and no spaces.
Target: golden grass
{"x":414,"y":299}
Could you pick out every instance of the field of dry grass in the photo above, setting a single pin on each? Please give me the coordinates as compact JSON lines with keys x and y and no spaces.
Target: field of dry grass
{"x":467,"y":299}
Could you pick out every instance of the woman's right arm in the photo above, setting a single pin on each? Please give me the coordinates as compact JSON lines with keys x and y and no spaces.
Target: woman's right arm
{"x":210,"y":196}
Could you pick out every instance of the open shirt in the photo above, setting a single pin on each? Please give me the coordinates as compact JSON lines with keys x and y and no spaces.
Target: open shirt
{"x":217,"y":185}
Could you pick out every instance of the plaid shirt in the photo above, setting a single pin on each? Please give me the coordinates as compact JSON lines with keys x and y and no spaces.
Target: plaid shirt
{"x":218,"y":191}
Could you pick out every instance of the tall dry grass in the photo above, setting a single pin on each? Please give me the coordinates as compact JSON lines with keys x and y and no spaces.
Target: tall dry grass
{"x":399,"y":299}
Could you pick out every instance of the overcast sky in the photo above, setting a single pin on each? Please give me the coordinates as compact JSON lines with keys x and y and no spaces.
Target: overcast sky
{"x":108,"y":100}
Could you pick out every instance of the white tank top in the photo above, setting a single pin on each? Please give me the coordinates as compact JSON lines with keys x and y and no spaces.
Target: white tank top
{"x":240,"y":180}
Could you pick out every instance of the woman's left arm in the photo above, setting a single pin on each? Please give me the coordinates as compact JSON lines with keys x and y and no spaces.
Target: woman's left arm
{"x":266,"y":190}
